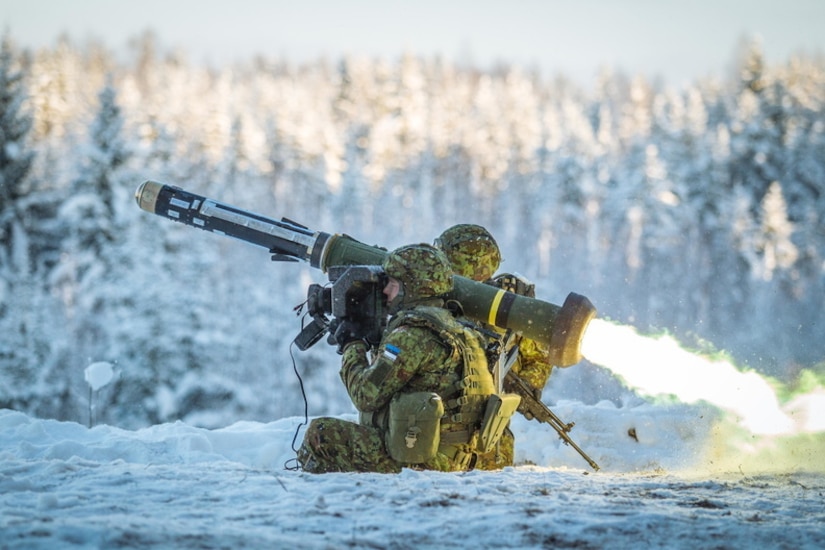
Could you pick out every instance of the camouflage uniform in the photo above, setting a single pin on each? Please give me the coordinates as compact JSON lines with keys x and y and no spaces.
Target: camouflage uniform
{"x":415,"y":354}
{"x":474,"y":253}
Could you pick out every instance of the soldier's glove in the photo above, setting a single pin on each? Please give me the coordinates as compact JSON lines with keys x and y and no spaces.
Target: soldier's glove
{"x":346,"y":332}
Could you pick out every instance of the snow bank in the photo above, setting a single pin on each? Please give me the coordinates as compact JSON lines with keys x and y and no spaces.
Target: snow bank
{"x":176,"y":486}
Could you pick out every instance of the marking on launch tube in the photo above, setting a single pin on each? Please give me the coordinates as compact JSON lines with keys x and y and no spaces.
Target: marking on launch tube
{"x":214,"y":210}
{"x":174,"y":201}
{"x":491,"y":318}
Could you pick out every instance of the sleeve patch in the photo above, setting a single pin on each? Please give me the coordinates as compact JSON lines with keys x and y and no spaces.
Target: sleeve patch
{"x":380,"y":373}
{"x":391,"y":352}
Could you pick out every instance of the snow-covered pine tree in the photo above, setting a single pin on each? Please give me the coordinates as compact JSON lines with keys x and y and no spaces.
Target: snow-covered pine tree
{"x":15,"y":157}
{"x":92,"y":275}
{"x":23,"y":301}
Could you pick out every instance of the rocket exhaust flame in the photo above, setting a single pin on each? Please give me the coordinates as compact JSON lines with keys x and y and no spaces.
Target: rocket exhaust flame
{"x":659,"y":366}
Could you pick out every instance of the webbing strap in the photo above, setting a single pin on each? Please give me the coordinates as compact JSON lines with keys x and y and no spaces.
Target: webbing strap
{"x":455,"y":438}
{"x":462,"y":459}
{"x":458,"y":402}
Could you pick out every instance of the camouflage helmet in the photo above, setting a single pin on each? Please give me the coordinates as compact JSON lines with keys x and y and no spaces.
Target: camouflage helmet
{"x":472,"y":251}
{"x":422,"y":269}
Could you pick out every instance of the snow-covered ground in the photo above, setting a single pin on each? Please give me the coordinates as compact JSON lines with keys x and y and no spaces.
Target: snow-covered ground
{"x":698,"y":455}
{"x":63,"y":485}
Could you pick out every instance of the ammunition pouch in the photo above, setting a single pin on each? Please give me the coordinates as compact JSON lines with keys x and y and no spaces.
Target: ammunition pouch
{"x":496,"y":417}
{"x":414,"y":427}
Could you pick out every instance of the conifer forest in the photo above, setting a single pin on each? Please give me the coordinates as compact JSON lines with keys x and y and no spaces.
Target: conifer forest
{"x":696,"y":211}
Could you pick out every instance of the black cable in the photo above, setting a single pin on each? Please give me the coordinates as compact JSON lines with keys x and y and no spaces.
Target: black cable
{"x":287,"y":464}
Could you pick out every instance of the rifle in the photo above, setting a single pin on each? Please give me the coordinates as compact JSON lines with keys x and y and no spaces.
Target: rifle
{"x":533,"y":408}
{"x":561,"y":328}
{"x":502,"y":353}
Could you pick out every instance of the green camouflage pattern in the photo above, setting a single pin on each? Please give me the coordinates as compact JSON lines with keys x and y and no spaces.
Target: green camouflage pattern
{"x":423,"y":270}
{"x":471,"y":250}
{"x":532,"y":365}
{"x":411,"y":357}
{"x":335,"y":445}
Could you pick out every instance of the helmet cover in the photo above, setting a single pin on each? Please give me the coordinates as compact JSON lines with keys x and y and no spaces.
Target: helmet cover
{"x":423,"y":270}
{"x":472,"y":251}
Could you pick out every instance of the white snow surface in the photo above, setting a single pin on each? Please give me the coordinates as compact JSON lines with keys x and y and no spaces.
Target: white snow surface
{"x":63,"y":485}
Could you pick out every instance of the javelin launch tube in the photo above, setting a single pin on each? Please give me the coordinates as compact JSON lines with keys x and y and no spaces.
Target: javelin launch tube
{"x":560,"y":328}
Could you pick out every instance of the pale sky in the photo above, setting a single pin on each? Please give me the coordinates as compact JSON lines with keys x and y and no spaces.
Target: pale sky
{"x":677,"y":40}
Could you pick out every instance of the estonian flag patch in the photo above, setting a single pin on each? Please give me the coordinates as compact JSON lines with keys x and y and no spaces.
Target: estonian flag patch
{"x":391,"y":352}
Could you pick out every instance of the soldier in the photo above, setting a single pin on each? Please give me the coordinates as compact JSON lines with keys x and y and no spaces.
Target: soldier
{"x":422,"y":396}
{"x":474,"y":253}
